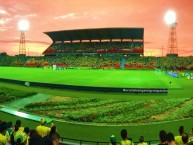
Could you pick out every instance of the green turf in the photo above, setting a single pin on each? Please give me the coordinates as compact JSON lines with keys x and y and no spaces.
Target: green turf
{"x":180,"y":87}
{"x":99,"y":78}
{"x":102,"y":133}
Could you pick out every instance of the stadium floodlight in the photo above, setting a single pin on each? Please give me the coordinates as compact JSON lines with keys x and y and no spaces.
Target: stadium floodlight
{"x":23,"y":26}
{"x":170,"y":17}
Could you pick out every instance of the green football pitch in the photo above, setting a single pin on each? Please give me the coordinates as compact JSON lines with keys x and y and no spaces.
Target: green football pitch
{"x":97,"y":78}
{"x":178,"y":88}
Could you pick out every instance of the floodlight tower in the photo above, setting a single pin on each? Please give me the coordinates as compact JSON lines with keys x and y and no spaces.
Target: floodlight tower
{"x":170,"y":19}
{"x":23,"y":26}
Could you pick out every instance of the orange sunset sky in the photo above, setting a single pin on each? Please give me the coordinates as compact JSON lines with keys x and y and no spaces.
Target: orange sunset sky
{"x":54,"y":15}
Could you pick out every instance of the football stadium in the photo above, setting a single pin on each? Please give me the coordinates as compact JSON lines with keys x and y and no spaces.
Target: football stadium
{"x":92,"y":83}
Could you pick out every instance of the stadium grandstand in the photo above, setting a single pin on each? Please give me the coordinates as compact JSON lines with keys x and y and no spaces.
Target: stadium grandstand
{"x":99,"y":48}
{"x":125,"y":41}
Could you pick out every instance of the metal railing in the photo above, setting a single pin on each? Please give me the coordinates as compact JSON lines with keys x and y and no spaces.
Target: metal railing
{"x":70,"y":141}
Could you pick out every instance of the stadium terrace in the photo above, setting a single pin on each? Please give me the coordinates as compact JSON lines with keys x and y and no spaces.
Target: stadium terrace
{"x":101,"y":40}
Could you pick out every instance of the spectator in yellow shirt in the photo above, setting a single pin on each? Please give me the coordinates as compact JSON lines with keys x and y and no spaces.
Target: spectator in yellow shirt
{"x":18,"y":123}
{"x":42,"y":130}
{"x":26,"y":136}
{"x":3,"y":129}
{"x":125,"y":140}
{"x":141,"y":141}
{"x":178,"y":138}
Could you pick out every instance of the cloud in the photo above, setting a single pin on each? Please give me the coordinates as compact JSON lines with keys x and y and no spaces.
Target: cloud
{"x":19,"y":7}
{"x":5,"y":28}
{"x":3,"y":11}
{"x":26,"y":16}
{"x":76,"y":16}
{"x":65,"y":16}
{"x":5,"y":20}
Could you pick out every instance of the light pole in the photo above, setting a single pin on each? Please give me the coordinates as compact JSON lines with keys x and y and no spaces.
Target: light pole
{"x":23,"y":26}
{"x":170,"y":19}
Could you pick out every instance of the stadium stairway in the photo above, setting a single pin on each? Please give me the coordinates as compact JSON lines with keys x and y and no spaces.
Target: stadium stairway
{"x":123,"y":60}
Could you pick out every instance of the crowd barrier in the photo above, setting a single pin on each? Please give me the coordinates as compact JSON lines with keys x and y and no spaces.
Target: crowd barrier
{"x":68,"y":141}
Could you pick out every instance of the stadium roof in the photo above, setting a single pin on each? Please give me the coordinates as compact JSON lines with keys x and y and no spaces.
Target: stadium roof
{"x":97,"y":34}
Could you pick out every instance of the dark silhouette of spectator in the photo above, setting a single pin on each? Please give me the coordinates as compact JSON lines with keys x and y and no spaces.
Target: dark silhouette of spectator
{"x":163,"y":137}
{"x":26,"y":135}
{"x":18,"y":123}
{"x":3,"y":129}
{"x":191,"y":137}
{"x":170,"y":139}
{"x":35,"y":139}
{"x":125,"y":140}
{"x":181,"y":130}
{"x":12,"y":135}
{"x":10,"y":128}
{"x":185,"y":138}
{"x":32,"y":132}
{"x":52,"y":131}
{"x":9,"y":131}
{"x":47,"y":141}
{"x":54,"y":139}
{"x":141,"y":141}
{"x":112,"y":140}
{"x":17,"y":137}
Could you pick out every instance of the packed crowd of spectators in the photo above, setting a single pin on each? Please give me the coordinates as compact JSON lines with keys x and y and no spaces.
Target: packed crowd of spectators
{"x":109,"y":62}
{"x":97,"y":47}
{"x":141,"y":62}
{"x":17,"y":135}
{"x":38,"y":61}
{"x":99,"y":61}
{"x":164,"y":138}
{"x":42,"y":135}
{"x":173,"y":63}
{"x":12,"y":61}
{"x":85,"y":61}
